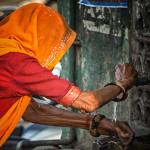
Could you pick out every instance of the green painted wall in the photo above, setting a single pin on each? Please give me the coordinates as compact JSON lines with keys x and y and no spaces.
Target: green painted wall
{"x":103,"y":33}
{"x":104,"y":43}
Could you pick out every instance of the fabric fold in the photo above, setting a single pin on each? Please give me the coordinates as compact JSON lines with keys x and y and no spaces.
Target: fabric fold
{"x":38,"y":31}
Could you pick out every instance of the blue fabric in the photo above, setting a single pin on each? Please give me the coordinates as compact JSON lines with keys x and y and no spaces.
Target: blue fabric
{"x":105,"y":4}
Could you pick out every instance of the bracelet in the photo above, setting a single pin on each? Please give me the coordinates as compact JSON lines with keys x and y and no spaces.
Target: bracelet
{"x":87,"y":119}
{"x":94,"y":125}
{"x":119,"y":84}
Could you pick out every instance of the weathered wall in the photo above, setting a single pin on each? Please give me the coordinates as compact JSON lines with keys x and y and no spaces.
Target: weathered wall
{"x":140,"y":57}
{"x":103,"y":33}
{"x":110,"y":36}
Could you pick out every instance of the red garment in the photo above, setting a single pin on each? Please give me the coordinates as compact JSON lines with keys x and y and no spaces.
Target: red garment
{"x":44,"y":35}
{"x":25,"y":76}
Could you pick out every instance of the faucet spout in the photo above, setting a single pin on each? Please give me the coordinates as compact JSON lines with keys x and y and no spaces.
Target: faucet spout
{"x":142,"y":81}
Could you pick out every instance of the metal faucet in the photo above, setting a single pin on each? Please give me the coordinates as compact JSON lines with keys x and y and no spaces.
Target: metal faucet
{"x":142,"y":81}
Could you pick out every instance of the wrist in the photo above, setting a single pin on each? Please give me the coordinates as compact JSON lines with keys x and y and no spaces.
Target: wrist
{"x":122,"y":89}
{"x":106,"y":127}
{"x":88,"y":120}
{"x":125,"y":83}
{"x":94,"y":125}
{"x":71,"y":96}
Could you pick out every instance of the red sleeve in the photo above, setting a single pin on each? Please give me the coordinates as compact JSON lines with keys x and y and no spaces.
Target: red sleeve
{"x":30,"y":77}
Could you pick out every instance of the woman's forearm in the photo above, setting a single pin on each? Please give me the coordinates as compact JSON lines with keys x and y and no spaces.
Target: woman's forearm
{"x":92,"y":100}
{"x":106,"y":94}
{"x":50,"y":115}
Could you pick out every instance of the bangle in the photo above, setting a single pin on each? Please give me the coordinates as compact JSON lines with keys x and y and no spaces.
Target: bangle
{"x":94,"y":125}
{"x":119,"y":84}
{"x":87,"y":119}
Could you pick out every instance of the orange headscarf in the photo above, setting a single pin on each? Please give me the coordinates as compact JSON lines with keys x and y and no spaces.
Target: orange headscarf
{"x":40,"y":32}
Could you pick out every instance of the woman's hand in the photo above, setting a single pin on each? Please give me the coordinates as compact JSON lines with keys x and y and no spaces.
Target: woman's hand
{"x":126,"y":74}
{"x":89,"y":101}
{"x":86,"y":102}
{"x":119,"y":129}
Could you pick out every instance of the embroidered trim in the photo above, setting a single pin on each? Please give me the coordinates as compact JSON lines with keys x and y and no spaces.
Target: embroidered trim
{"x":70,"y":97}
{"x":56,"y":50}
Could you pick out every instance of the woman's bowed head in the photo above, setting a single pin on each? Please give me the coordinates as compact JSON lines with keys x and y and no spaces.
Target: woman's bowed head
{"x":33,"y":39}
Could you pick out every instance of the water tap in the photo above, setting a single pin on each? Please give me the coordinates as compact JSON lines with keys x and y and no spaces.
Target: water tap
{"x":107,"y":143}
{"x":142,"y":81}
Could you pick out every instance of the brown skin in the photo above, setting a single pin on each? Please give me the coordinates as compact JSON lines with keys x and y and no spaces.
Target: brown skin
{"x":126,"y":74}
{"x":92,"y":100}
{"x":88,"y":101}
{"x":50,"y":115}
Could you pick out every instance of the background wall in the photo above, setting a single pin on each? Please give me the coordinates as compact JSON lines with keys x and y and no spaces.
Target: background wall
{"x":110,"y":36}
{"x":140,"y":58}
{"x":106,"y":37}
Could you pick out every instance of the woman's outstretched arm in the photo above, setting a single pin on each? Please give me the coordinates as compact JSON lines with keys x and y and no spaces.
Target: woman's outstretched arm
{"x":88,"y":101}
{"x":51,"y":115}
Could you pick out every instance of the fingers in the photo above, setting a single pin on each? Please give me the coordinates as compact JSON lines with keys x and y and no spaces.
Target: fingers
{"x":118,"y":66}
{"x":83,"y":111}
{"x":124,"y":132}
{"x":125,"y":138}
{"x":127,"y":128}
{"x":86,"y":102}
{"x":84,"y":105}
{"x":126,"y":147}
{"x":126,"y":74}
{"x":123,"y":67}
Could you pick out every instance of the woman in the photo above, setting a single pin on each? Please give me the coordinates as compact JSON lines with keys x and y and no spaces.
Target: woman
{"x":33,"y":39}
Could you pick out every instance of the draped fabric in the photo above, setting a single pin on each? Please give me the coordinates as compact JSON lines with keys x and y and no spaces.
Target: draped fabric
{"x":9,"y":121}
{"x":40,"y":32}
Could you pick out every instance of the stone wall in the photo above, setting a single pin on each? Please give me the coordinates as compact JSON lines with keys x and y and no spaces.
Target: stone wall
{"x":140,"y":58}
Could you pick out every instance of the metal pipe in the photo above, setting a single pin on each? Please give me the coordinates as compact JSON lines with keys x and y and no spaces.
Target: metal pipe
{"x":142,"y":81}
{"x":67,"y":141}
{"x":107,"y":143}
{"x":8,"y":8}
{"x":77,"y":43}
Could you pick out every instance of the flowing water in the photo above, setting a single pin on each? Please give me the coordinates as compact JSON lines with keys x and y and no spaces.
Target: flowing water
{"x":115,"y":113}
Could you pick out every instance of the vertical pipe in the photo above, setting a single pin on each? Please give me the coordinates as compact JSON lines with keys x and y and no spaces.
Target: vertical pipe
{"x":67,"y":9}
